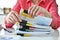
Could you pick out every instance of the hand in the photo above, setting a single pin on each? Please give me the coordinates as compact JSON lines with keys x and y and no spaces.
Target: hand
{"x":35,"y":10}
{"x":13,"y":17}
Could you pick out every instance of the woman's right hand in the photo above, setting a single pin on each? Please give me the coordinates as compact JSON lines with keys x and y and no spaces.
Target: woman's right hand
{"x":13,"y":17}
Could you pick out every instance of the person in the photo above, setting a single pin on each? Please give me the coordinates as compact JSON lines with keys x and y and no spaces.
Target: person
{"x":47,"y":8}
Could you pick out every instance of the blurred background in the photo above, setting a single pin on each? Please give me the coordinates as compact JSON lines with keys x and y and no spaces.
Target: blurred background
{"x":7,"y":5}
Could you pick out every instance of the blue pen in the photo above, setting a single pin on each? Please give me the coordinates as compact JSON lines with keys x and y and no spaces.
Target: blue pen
{"x":8,"y":30}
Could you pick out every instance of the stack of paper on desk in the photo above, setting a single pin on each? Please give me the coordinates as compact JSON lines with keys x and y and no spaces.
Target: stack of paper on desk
{"x":41,"y":30}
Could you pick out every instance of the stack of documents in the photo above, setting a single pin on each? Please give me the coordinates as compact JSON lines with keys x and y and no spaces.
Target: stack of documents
{"x":37,"y":30}
{"x":39,"y":25}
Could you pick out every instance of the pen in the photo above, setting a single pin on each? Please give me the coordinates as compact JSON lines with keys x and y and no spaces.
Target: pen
{"x":23,"y":34}
{"x":29,"y":34}
{"x":8,"y":30}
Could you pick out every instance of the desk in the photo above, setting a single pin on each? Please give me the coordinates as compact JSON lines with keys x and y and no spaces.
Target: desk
{"x":54,"y":36}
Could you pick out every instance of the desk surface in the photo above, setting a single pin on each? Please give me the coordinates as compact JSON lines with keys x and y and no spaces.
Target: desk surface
{"x":54,"y":36}
{"x":9,"y":36}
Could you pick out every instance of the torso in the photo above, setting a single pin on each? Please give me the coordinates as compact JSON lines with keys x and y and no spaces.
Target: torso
{"x":25,"y":5}
{"x":35,"y":2}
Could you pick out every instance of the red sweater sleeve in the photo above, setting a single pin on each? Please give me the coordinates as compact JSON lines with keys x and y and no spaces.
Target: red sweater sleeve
{"x":15,"y":8}
{"x":54,"y":12}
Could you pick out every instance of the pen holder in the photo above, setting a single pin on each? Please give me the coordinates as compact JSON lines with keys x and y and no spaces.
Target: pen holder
{"x":7,"y":10}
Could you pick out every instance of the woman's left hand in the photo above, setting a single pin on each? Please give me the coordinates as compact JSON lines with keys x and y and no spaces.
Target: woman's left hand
{"x":35,"y":10}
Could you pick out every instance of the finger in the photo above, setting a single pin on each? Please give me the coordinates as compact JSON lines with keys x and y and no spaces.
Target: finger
{"x":38,"y":12}
{"x":14,"y":17}
{"x":35,"y":11}
{"x":17,"y":16}
{"x":32,"y":10}
{"x":9,"y":18}
{"x":29,"y":10}
{"x":9,"y":21}
{"x":19,"y":19}
{"x":12,"y":20}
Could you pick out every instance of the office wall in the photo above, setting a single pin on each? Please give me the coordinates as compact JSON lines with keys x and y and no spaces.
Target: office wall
{"x":58,"y":3}
{"x":7,"y":3}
